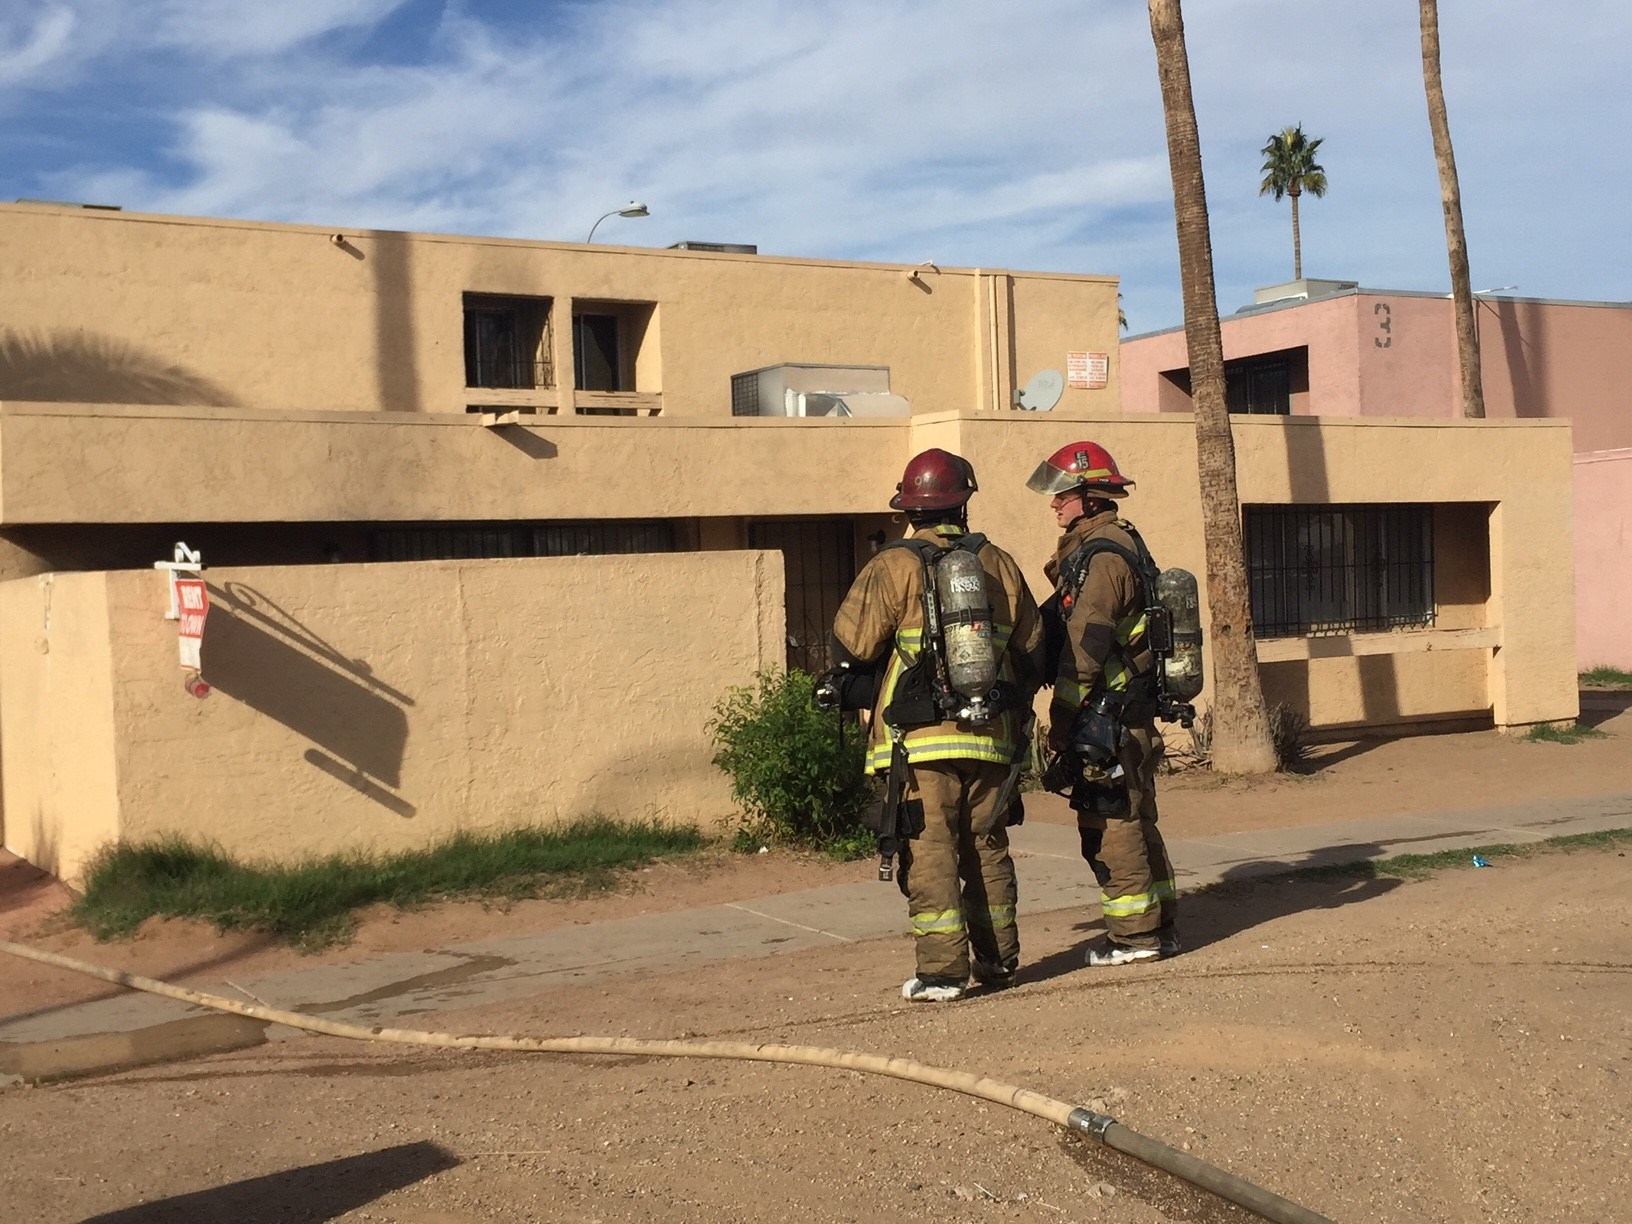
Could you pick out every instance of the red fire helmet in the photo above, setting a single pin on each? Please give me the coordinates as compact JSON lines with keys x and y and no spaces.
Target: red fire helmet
{"x":1080,"y":465}
{"x":934,"y":480}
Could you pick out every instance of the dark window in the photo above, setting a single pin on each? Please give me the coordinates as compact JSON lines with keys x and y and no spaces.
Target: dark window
{"x":1263,"y":384}
{"x":1339,"y":569}
{"x":465,"y":542}
{"x":595,"y":353}
{"x":469,"y":541}
{"x":1259,"y":385}
{"x":507,"y":342}
{"x":819,"y":563}
{"x":598,"y":539}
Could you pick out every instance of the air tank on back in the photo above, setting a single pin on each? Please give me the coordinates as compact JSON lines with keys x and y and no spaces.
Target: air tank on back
{"x":1176,"y":591}
{"x":966,"y":621}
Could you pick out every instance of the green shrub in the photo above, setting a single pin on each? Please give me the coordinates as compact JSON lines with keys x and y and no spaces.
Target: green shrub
{"x":797,"y":785}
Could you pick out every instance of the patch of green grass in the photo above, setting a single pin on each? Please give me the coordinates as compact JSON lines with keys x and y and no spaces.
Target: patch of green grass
{"x":311,"y":904}
{"x":1421,"y":866}
{"x":1546,"y":733}
{"x":1606,"y":677}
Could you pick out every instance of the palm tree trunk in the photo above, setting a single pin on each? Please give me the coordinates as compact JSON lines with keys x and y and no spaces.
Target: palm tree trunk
{"x":1297,"y":239}
{"x":1456,"y":243}
{"x":1241,"y":741}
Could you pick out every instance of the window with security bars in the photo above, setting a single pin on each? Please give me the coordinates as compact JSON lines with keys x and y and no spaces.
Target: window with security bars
{"x":819,"y":563}
{"x":600,"y":539}
{"x":472,"y":541}
{"x":1259,"y":386}
{"x":507,"y":342}
{"x":1321,"y":570}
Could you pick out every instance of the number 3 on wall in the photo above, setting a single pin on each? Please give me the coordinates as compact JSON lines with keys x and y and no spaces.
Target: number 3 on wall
{"x":1384,"y":325}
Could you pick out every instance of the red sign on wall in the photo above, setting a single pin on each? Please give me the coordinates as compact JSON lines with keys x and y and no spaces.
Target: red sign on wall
{"x":193,"y":603}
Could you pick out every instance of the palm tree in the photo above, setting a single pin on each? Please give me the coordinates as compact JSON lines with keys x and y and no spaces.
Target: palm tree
{"x":1456,"y":242}
{"x":1241,"y":740}
{"x":1290,"y":169}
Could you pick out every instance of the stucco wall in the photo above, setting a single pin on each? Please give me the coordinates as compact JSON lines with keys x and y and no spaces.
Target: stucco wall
{"x":1603,"y":559}
{"x":120,"y":308}
{"x":57,"y":730}
{"x":1560,"y":359}
{"x":377,"y":706}
{"x":100,"y":463}
{"x":1507,"y":647}
{"x":1394,"y":355}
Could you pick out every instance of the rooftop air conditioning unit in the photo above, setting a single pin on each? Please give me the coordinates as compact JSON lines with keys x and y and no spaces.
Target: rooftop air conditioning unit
{"x":719,"y":248}
{"x":849,"y":404}
{"x":793,"y":389}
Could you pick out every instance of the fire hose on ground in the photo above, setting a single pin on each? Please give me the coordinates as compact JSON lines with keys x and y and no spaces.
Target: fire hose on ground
{"x":1100,"y":1127}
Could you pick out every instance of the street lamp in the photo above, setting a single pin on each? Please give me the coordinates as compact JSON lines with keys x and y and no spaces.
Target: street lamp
{"x":631,"y":209}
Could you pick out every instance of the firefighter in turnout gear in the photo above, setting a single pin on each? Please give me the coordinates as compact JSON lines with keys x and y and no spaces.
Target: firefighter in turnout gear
{"x":1102,"y":718}
{"x":949,"y":711}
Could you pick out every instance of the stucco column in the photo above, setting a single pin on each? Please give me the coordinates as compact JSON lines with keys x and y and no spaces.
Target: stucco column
{"x":1531,"y":578}
{"x":566,"y":381}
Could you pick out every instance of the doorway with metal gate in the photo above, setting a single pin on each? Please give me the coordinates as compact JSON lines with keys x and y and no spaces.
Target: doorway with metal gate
{"x":819,"y":557}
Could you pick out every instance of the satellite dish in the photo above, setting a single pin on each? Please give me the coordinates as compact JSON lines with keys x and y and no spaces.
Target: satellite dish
{"x":1042,"y":392}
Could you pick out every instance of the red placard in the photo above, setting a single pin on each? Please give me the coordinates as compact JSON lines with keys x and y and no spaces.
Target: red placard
{"x":193,"y":604}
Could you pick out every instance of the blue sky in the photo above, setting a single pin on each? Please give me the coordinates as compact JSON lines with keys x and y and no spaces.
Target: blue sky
{"x":1022,"y":135}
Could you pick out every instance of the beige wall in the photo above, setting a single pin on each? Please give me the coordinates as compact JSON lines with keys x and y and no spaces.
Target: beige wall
{"x":379,"y":706}
{"x":124,"y":308}
{"x":101,"y":463}
{"x":58,"y":733}
{"x":384,"y":705}
{"x":1505,"y":649}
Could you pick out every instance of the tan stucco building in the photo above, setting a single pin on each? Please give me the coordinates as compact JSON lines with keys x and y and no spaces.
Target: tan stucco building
{"x":429,"y":613}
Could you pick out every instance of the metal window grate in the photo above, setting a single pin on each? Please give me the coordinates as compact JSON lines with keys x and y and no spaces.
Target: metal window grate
{"x":599,"y":539}
{"x":745,"y":395}
{"x":464,"y":543}
{"x":1325,"y":570}
{"x":819,"y":563}
{"x":1260,"y":386}
{"x":473,"y":541}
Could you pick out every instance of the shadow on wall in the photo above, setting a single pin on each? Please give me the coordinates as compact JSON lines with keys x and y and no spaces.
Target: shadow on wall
{"x":1525,"y":354}
{"x":310,"y":1192}
{"x":258,"y":654}
{"x":64,"y":366}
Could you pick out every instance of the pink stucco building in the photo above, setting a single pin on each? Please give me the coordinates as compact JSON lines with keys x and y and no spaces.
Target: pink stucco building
{"x":1332,"y":348}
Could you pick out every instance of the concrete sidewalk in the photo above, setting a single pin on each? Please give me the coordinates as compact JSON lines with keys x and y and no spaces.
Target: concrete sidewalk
{"x":403,"y":989}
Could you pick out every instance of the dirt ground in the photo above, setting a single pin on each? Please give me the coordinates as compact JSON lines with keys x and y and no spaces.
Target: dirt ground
{"x":1454,"y":1049}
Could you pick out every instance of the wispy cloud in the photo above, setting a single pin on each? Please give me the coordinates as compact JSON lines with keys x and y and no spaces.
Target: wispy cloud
{"x":32,"y":41}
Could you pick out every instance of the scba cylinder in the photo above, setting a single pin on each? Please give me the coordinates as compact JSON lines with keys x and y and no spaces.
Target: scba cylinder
{"x":966,"y":619}
{"x":1176,"y":591}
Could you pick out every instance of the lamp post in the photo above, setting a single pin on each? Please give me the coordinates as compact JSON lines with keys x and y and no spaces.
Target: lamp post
{"x":631,"y":209}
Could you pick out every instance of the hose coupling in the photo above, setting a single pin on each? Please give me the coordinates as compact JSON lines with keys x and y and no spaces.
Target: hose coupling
{"x":1090,"y":1123}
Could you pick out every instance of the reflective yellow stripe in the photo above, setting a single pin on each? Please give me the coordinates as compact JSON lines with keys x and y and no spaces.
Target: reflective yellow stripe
{"x":1116,"y":673}
{"x":1132,"y":905}
{"x":1165,"y":890}
{"x":942,"y":923}
{"x":994,"y":743}
{"x":996,"y":918}
{"x":945,"y":746}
